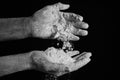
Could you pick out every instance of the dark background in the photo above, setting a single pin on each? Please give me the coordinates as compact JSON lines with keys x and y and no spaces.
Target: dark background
{"x":97,"y":14}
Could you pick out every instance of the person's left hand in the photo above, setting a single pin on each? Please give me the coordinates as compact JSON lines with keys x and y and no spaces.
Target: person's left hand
{"x":50,"y":21}
{"x":57,"y":62}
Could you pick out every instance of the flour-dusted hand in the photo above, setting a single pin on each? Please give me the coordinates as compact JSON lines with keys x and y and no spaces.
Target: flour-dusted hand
{"x":41,"y":62}
{"x":57,"y":62}
{"x":50,"y":21}
{"x":44,"y":19}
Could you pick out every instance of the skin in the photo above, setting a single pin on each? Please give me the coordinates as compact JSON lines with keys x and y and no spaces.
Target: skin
{"x":42,"y":63}
{"x":51,"y":15}
{"x":38,"y":60}
{"x":14,"y":63}
{"x":15,"y":28}
{"x":40,"y":25}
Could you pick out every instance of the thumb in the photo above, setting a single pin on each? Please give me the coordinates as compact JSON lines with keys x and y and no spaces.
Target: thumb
{"x":62,"y":6}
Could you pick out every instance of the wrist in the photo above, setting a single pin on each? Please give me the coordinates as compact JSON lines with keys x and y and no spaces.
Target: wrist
{"x":31,"y":62}
{"x":28,"y":26}
{"x":27,"y":61}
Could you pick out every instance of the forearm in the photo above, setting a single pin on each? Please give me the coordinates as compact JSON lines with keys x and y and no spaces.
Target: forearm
{"x":15,"y":28}
{"x":14,"y":63}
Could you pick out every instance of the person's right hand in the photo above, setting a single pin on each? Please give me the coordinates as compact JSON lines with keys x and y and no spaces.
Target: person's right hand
{"x":57,"y":62}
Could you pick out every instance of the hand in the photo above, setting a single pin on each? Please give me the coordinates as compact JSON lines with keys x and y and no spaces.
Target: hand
{"x":58,"y":62}
{"x":50,"y":21}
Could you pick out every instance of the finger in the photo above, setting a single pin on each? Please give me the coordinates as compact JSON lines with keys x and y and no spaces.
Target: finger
{"x":73,"y":18}
{"x":82,"y":56}
{"x":82,"y":63}
{"x":61,"y":6}
{"x":73,"y":53}
{"x":83,"y":60}
{"x":81,"y":32}
{"x":70,"y":37}
{"x":82,"y":25}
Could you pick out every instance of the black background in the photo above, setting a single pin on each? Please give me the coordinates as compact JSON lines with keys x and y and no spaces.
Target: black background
{"x":97,"y":14}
